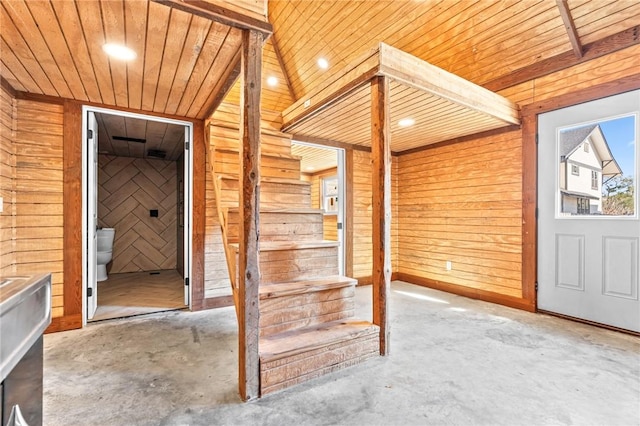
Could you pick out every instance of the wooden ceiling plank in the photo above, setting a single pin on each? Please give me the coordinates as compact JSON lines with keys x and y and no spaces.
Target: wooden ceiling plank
{"x":91,"y":21}
{"x":71,"y":28}
{"x":136,"y":128}
{"x":179,"y":25}
{"x":285,"y":73}
{"x":546,"y":38}
{"x":567,"y":19}
{"x":114,"y":125}
{"x":211,"y":48}
{"x":191,"y":52}
{"x":136,"y":15}
{"x":49,"y":27}
{"x":472,"y":36}
{"x":11,"y":64}
{"x":220,"y":14}
{"x":451,"y":14}
{"x":157,"y":27}
{"x":27,"y":27}
{"x":531,"y":19}
{"x":9,"y":81}
{"x":363,"y":70}
{"x":616,"y":18}
{"x":114,"y":32}
{"x":15,"y":43}
{"x":219,"y":80}
{"x":566,"y":60}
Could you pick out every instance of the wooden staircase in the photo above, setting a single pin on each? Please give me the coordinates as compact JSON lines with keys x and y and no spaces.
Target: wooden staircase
{"x":307,"y":324}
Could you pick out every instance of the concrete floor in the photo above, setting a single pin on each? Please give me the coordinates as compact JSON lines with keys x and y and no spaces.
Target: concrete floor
{"x":454,"y":361}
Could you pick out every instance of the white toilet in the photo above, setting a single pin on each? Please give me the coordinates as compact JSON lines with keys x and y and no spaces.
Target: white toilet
{"x":104,"y":250}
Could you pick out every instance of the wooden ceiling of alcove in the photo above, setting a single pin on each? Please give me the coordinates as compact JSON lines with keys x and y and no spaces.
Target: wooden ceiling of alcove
{"x":443,"y":108}
{"x":55,"y":48}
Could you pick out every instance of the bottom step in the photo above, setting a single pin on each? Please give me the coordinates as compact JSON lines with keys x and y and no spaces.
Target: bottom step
{"x":299,"y":355}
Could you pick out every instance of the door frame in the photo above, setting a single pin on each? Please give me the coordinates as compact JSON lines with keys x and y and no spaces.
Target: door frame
{"x":529,"y":115}
{"x":87,"y":168}
{"x":342,"y":191}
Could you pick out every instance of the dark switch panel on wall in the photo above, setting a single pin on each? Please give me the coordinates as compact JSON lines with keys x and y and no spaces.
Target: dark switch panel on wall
{"x":153,"y":213}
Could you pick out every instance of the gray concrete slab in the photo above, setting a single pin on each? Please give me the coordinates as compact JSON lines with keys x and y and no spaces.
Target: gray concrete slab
{"x":453,"y":361}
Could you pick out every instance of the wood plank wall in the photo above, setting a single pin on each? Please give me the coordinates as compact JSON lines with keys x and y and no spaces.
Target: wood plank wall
{"x":606,"y":69}
{"x":463,"y":203}
{"x":329,"y":221}
{"x":127,"y":189}
{"x":361,"y":216}
{"x":7,"y":183}
{"x":216,"y":272}
{"x":435,"y":193}
{"x":38,"y":239}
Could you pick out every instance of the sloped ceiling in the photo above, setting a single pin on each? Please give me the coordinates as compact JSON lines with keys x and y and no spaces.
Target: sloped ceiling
{"x":477,"y":40}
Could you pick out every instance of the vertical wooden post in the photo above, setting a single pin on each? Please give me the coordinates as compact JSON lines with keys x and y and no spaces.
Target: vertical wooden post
{"x":381,"y":215}
{"x":249,"y":188}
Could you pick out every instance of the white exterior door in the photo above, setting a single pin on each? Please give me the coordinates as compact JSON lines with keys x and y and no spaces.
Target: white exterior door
{"x":588,"y":253}
{"x":92,"y":215}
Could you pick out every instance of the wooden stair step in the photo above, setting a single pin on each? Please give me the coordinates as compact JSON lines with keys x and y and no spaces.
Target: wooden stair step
{"x":291,"y":245}
{"x":270,"y":291}
{"x":294,"y":342}
{"x":233,"y":126}
{"x":281,"y":210}
{"x":232,"y":150}
{"x":268,"y":180}
{"x":296,"y":356}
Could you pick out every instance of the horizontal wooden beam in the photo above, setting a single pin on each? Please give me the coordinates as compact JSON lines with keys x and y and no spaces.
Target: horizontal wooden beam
{"x":327,"y":142}
{"x":220,"y":14}
{"x":414,"y":72}
{"x":602,"y":47}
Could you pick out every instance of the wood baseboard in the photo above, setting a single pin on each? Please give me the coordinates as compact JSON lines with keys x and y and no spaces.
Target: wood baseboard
{"x":472,"y":293}
{"x":64,"y":323}
{"x":369,"y":280}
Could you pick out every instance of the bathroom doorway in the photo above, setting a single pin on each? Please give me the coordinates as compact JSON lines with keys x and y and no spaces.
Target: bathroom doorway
{"x":137,"y":180}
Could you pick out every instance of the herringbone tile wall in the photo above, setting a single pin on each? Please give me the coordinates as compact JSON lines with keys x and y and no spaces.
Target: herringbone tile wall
{"x":127,"y":189}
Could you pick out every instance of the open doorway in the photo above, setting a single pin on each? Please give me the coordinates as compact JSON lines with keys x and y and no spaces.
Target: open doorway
{"x":324,"y":168}
{"x":136,"y":214}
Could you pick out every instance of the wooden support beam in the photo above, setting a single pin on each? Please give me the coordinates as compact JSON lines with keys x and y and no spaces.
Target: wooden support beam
{"x":570,"y":26}
{"x":287,"y":80}
{"x":220,"y":14}
{"x":381,"y":205}
{"x":249,"y":197}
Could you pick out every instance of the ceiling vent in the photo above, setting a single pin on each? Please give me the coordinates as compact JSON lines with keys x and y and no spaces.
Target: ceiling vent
{"x":128,"y":139}
{"x":156,"y":153}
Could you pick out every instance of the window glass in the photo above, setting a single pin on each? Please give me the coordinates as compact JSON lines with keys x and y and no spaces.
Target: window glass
{"x":605,"y":151}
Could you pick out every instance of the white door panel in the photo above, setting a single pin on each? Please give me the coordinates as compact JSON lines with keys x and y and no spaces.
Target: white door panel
{"x":588,"y":264}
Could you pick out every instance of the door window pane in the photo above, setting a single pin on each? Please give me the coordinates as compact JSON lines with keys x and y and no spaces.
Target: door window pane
{"x":597,"y":168}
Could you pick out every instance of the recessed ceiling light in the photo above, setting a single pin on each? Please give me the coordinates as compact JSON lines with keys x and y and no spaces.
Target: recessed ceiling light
{"x":406,"y":122}
{"x":272,"y":81}
{"x":310,"y":168}
{"x":119,"y":51}
{"x":323,"y":63}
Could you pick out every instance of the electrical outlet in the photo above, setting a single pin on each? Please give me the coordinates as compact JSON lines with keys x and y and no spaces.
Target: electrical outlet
{"x":307,"y":103}
{"x":1,"y":204}
{"x":448,"y":265}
